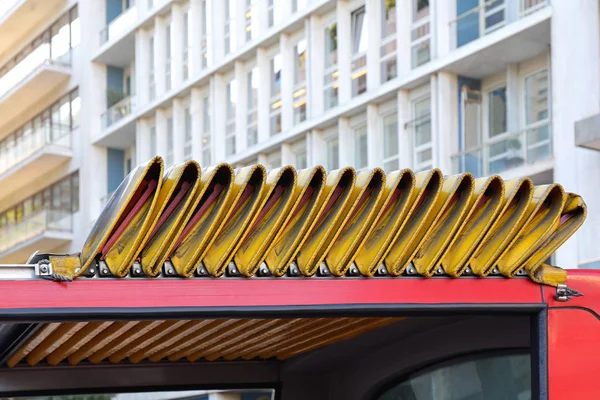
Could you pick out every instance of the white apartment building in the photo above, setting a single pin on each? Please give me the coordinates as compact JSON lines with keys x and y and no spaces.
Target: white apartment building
{"x":480,"y":86}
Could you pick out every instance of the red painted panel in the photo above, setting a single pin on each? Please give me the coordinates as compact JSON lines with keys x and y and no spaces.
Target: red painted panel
{"x":573,"y":354}
{"x":586,"y":282}
{"x":264,"y":292}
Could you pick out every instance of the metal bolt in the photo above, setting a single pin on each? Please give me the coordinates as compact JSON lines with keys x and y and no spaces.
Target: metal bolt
{"x":170,"y":271}
{"x":411,"y":270}
{"x":92,"y":271}
{"x":439,"y":271}
{"x":467,"y":270}
{"x":44,"y":268}
{"x":234,"y":270}
{"x":137,"y":271}
{"x":264,"y":271}
{"x":495,"y":271}
{"x":354,"y":270}
{"x":294,"y":271}
{"x":105,"y":271}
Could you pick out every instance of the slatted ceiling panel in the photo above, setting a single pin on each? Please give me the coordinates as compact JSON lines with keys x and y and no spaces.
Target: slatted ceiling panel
{"x":206,"y":339}
{"x":138,"y":330}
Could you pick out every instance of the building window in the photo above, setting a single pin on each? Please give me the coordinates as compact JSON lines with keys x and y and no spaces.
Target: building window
{"x":331,"y":72}
{"x":420,"y":33}
{"x":361,"y":149}
{"x":151,"y":77}
{"x":273,"y":160}
{"x":275,"y":112}
{"x":170,"y":159}
{"x":333,"y":152}
{"x":300,"y":155}
{"x":274,"y":9}
{"x":477,"y":18}
{"x":230,"y":26}
{"x":298,"y":5}
{"x":388,"y":40}
{"x":206,"y":145}
{"x":497,"y":112}
{"x":206,"y":29}
{"x":231,"y":100}
{"x":153,"y":140}
{"x":186,"y":45}
{"x":250,"y":8}
{"x":423,"y":146}
{"x":252,"y":121}
{"x":537,"y":117}
{"x":187,"y":134}
{"x":168,"y":74}
{"x":390,"y":142}
{"x":359,"y":52}
{"x":300,"y":81}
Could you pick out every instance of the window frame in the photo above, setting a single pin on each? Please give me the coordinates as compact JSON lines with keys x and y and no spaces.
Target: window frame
{"x":358,"y":60}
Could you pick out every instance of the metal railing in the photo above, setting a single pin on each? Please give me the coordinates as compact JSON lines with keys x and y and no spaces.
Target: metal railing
{"x":46,"y":219}
{"x":118,"y":111}
{"x":119,"y":25}
{"x":507,"y":151}
{"x":488,"y":17}
{"x":24,"y":143}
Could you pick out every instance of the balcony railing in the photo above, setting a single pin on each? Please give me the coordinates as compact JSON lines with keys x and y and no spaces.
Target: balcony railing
{"x":18,"y":147}
{"x":120,"y":24}
{"x":6,"y":6}
{"x":118,"y":111}
{"x":488,"y":17}
{"x":507,"y":151}
{"x":13,"y":234}
{"x":41,"y":52}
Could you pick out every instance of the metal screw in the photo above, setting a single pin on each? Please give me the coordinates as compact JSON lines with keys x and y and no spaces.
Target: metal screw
{"x":105,"y":271}
{"x":234,"y":270}
{"x":92,"y":271}
{"x":137,"y":271}
{"x":411,"y":270}
{"x":467,"y":270}
{"x":294,"y":271}
{"x":44,"y":268}
{"x":439,"y":271}
{"x":170,"y":271}
{"x":495,"y":271}
{"x":354,"y":270}
{"x":264,"y":271}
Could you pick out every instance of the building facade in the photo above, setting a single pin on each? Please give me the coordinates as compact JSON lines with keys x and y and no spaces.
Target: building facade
{"x":487,"y":87}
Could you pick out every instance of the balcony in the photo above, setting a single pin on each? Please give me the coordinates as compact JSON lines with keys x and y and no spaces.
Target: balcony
{"x":19,"y":17}
{"x":523,"y":153}
{"x":118,"y":111}
{"x":47,"y":229}
{"x":41,"y":148}
{"x":118,"y":125}
{"x":39,"y":69}
{"x":489,"y":16}
{"x":117,"y":39}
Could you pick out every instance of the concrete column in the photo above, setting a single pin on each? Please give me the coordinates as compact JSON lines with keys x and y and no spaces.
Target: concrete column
{"x":287,"y":155}
{"x":218,"y":32}
{"x":195,"y":23}
{"x":241,"y":107}
{"x":178,"y":130}
{"x":446,"y":117}
{"x":262,"y":159}
{"x":374,"y":137}
{"x":344,"y":31}
{"x":406,"y":142}
{"x":373,"y":21}
{"x":287,"y":82}
{"x":512,"y":98}
{"x":142,"y":69}
{"x":316,"y":67}
{"x":240,"y":23}
{"x":260,"y":17}
{"x":264,"y":94}
{"x":196,"y":110}
{"x":403,"y":37}
{"x":160,"y":56}
{"x":442,"y":12}
{"x":435,"y":140}
{"x":318,"y":148}
{"x":161,"y":132}
{"x":575,"y":95}
{"x":346,"y":142}
{"x":310,"y":159}
{"x":177,"y":27}
{"x":142,"y":139}
{"x":218,"y":121}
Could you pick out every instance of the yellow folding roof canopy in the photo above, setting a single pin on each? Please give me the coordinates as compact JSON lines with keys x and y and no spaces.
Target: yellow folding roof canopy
{"x":254,"y":220}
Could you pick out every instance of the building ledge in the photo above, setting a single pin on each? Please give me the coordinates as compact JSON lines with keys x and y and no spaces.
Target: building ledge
{"x":587,"y":132}
{"x":46,"y":239}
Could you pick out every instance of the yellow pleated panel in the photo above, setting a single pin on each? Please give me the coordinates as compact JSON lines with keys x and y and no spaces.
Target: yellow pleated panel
{"x":331,"y":216}
{"x":397,"y":199}
{"x":248,"y":188}
{"x":205,"y":222}
{"x":362,"y":210}
{"x":419,"y":218}
{"x":484,"y":206}
{"x":301,"y":218}
{"x":175,"y":197}
{"x":542,"y":222}
{"x":516,"y":208}
{"x":115,"y":211}
{"x":572,"y":216}
{"x":454,"y":200}
{"x":265,"y":227}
